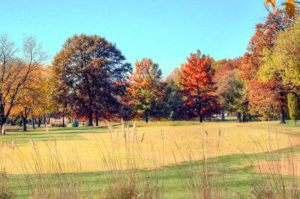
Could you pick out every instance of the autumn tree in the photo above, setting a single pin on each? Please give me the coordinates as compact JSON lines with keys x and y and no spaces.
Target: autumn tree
{"x":283,"y":60}
{"x":266,"y":98}
{"x":199,"y":87}
{"x":42,"y":91}
{"x":230,"y":89}
{"x":91,"y":74}
{"x":15,"y":72}
{"x":144,"y":93}
{"x":34,"y":99}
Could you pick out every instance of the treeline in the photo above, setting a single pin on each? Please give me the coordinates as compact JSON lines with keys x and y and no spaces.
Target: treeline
{"x":90,"y":79}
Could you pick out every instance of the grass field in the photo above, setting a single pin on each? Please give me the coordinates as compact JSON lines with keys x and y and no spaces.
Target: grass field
{"x":166,"y":148}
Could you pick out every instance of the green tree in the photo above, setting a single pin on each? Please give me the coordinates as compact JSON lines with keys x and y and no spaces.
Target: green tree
{"x":234,"y":96}
{"x":294,"y":107}
{"x":91,"y":74}
{"x":173,"y":101}
{"x":230,"y":88}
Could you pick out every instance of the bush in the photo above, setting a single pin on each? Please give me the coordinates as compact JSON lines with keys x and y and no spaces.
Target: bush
{"x":75,"y":123}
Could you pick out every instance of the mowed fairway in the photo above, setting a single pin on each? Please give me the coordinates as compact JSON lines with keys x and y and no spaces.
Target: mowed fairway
{"x":146,"y":146}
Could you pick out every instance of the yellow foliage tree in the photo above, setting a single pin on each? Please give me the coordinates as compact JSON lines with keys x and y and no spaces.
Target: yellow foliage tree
{"x":15,"y":71}
{"x":35,"y":98}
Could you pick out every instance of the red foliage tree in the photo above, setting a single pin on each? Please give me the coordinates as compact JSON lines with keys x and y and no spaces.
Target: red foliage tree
{"x":199,"y":88}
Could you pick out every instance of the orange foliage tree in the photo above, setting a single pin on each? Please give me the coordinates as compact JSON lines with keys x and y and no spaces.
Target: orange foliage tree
{"x":144,"y":93}
{"x":34,"y":99}
{"x":15,"y":72}
{"x":265,"y":98}
{"x":199,"y":88}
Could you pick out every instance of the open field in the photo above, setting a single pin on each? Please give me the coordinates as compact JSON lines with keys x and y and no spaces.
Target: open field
{"x":82,"y":150}
{"x":84,"y":154}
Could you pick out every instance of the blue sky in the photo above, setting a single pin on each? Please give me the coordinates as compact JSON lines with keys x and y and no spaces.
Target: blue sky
{"x":165,"y":30}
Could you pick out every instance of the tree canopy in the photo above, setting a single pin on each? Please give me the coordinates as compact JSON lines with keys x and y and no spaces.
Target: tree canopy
{"x":145,"y":89}
{"x":198,"y":84}
{"x":91,"y":74}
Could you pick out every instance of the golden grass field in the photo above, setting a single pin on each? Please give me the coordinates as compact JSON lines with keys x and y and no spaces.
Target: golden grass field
{"x":143,"y":147}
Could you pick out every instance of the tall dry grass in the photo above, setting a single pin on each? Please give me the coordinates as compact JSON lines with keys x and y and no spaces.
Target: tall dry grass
{"x":206,"y":181}
{"x":52,"y":175}
{"x":125,"y":180}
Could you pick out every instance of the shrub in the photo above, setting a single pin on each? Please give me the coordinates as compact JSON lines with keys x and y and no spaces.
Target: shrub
{"x":75,"y":123}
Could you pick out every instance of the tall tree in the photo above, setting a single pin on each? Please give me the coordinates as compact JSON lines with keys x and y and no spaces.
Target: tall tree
{"x":15,"y":72}
{"x":264,"y":97}
{"x":199,"y":87}
{"x":91,"y":73}
{"x":145,"y":90}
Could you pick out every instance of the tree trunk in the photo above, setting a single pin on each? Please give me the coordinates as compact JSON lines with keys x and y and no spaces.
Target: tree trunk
{"x":2,"y":128}
{"x":97,"y":119}
{"x":24,"y":124}
{"x":282,"y":115}
{"x":2,"y":116}
{"x":244,"y":117}
{"x":282,"y":112}
{"x":63,"y":120}
{"x":39,"y":121}
{"x":223,"y":114}
{"x":201,"y":118}
{"x":239,"y":117}
{"x":91,"y":118}
{"x":33,"y":122}
{"x":146,"y":116}
{"x":45,"y":120}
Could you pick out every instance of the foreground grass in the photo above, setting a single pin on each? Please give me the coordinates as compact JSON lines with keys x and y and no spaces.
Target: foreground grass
{"x":82,"y":149}
{"x":237,"y":165}
{"x":238,"y":171}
